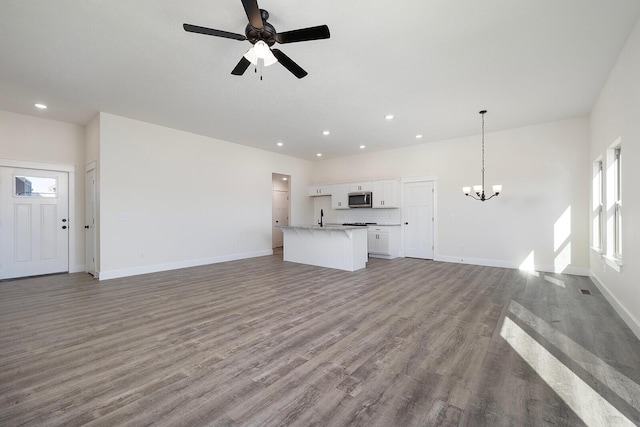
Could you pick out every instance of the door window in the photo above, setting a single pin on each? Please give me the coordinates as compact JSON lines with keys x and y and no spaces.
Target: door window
{"x":34,"y":186}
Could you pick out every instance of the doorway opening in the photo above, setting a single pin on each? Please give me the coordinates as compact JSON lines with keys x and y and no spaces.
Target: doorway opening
{"x":281,"y":207}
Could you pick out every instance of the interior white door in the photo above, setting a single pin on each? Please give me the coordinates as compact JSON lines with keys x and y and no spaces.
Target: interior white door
{"x":280,"y":216}
{"x":418,"y":219}
{"x":34,"y":222}
{"x":90,"y":224}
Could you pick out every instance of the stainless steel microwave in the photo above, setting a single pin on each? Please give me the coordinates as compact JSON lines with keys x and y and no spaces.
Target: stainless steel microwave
{"x":361,"y":199}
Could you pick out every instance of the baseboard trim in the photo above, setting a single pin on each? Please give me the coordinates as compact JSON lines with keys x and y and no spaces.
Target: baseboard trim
{"x":77,"y":268}
{"x":576,"y":271}
{"x":631,"y":322}
{"x":126,"y":272}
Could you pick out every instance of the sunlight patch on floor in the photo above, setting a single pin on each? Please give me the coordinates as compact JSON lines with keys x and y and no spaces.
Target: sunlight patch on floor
{"x":620,"y":384}
{"x":555,"y":281}
{"x":592,"y":408}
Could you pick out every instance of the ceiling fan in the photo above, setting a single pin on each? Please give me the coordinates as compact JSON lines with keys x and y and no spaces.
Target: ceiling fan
{"x":262,"y":36}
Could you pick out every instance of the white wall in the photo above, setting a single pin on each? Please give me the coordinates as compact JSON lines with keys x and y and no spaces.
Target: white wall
{"x":33,"y":139}
{"x":616,"y":114}
{"x":544,"y":171}
{"x":171,"y":199}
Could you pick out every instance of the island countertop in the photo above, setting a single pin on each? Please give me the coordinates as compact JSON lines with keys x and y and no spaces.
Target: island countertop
{"x":326,"y":227}
{"x":335,"y":246}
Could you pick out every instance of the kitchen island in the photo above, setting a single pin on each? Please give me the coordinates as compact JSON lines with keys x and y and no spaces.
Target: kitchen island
{"x":333,"y":246}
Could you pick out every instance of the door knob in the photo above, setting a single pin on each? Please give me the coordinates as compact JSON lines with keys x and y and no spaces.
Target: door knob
{"x":406,"y":223}
{"x":64,"y":227}
{"x":64,"y":220}
{"x":86,"y":226}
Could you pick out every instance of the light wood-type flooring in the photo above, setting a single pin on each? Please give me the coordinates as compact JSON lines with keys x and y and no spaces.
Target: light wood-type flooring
{"x":404,"y":342}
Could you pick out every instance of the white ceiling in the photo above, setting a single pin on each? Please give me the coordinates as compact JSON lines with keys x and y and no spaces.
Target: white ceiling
{"x":432,"y":63}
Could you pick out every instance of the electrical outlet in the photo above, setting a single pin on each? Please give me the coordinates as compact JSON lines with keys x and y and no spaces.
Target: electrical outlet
{"x":141,"y":254}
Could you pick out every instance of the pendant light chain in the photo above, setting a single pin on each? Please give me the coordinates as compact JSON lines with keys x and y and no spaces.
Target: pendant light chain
{"x":483,"y":151}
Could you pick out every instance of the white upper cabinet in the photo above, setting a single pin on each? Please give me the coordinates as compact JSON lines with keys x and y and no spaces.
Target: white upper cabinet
{"x":385,"y":194}
{"x":340,"y":196}
{"x":360,"y":186}
{"x":320,"y":190}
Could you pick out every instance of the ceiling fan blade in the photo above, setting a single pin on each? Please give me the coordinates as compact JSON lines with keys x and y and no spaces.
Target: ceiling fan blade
{"x":304,"y":34}
{"x":241,"y":67}
{"x":253,"y":13}
{"x":288,"y":63}
{"x":211,"y":32}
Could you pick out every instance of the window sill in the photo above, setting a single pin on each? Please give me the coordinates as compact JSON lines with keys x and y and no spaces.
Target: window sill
{"x":614,"y":263}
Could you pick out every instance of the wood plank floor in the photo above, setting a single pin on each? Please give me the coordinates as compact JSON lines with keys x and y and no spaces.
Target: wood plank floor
{"x":404,"y":342}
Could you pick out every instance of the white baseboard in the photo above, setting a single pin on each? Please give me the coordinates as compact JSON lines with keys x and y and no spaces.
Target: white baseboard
{"x":631,"y":321}
{"x":78,"y":268}
{"x":126,"y":272}
{"x":576,"y":271}
{"x":474,"y":261}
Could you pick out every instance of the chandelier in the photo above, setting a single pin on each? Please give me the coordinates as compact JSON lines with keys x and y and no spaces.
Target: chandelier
{"x":479,"y":189}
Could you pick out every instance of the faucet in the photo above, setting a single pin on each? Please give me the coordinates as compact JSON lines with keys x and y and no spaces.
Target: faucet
{"x":321,"y":215}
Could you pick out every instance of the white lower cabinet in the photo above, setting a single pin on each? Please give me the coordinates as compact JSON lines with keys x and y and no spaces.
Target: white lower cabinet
{"x":383,"y":241}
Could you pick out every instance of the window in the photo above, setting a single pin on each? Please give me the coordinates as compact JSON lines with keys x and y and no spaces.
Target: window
{"x":33,"y":186}
{"x":597,"y":240}
{"x":617,"y":218}
{"x":612,"y":207}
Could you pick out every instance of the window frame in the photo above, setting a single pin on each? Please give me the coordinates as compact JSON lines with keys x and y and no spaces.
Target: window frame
{"x":598,"y":237}
{"x":617,"y":200}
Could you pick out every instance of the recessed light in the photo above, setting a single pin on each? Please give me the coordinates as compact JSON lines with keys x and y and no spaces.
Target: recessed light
{"x":389,"y":117}
{"x":326,"y":132}
{"x":280,"y":144}
{"x":41,"y":106}
{"x":363,"y":146}
{"x":284,"y":178}
{"x":319,"y":154}
{"x":418,"y":136}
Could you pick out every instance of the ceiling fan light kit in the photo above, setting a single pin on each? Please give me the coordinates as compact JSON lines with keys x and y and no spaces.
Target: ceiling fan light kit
{"x":263,"y":36}
{"x":479,"y":188}
{"x":260,"y":51}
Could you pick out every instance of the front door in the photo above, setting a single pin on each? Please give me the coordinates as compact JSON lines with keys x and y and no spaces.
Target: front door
{"x":418,"y":219}
{"x":34,"y":222}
